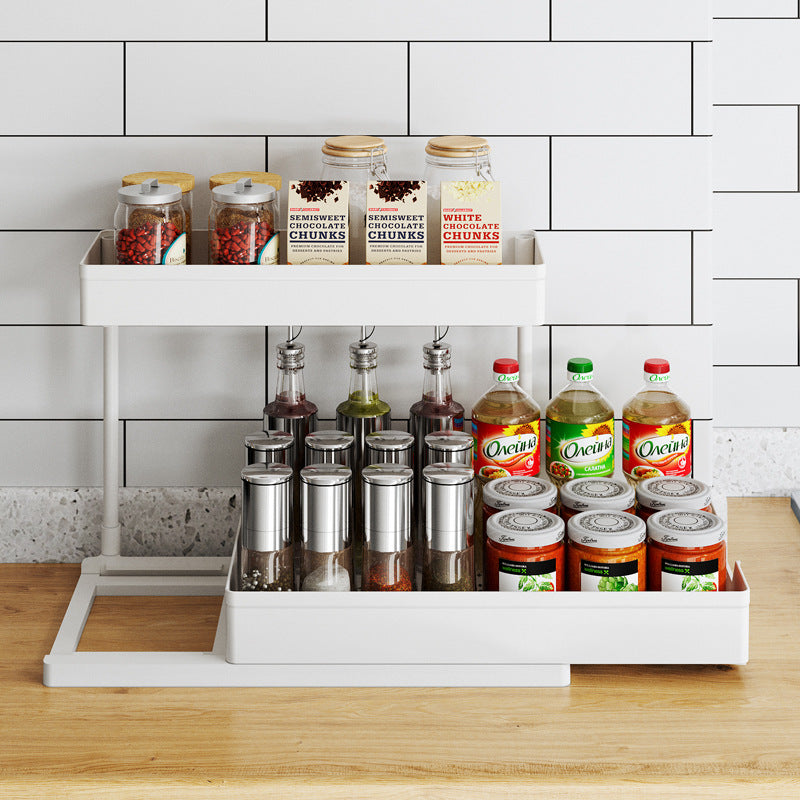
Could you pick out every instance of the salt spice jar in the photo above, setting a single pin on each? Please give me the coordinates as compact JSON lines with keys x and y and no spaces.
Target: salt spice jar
{"x":265,"y":546}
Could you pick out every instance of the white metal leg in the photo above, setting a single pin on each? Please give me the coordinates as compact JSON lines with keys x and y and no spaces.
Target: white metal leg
{"x":110,"y":535}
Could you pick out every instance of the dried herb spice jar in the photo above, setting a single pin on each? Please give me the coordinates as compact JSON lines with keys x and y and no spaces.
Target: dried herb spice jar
{"x":150,"y":224}
{"x":596,"y":494}
{"x":525,"y":552}
{"x":529,"y":493}
{"x":242,"y":224}
{"x":686,"y":494}
{"x":606,"y":552}
{"x":185,"y":181}
{"x":686,"y":551}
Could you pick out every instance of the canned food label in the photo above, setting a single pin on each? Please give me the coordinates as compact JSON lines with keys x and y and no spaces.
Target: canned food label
{"x":653,"y":451}
{"x":580,"y":451}
{"x":269,"y":252}
{"x":527,"y":576}
{"x":500,"y":451}
{"x":600,"y":577}
{"x":695,"y":576}
{"x":175,"y":254}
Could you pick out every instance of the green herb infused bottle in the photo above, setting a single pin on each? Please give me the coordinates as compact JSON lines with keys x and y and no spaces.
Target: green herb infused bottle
{"x":580,"y":428}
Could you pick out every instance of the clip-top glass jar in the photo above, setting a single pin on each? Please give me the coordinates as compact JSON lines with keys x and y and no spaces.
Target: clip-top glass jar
{"x":357,"y":160}
{"x":243,"y":224}
{"x":185,"y":181}
{"x":150,"y":224}
{"x":451,"y":158}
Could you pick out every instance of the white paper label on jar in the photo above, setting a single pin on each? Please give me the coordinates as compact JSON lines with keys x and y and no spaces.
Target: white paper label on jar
{"x":175,"y":254}
{"x":694,"y":576}
{"x":597,"y":576}
{"x":269,"y":252}
{"x":527,"y":576}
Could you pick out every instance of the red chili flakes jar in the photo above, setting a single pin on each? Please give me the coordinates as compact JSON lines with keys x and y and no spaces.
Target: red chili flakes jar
{"x":596,"y":494}
{"x":686,"y":494}
{"x":525,"y":552}
{"x":532,"y":494}
{"x":686,"y":551}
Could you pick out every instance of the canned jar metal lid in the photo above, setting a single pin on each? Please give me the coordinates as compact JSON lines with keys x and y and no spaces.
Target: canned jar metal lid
{"x":583,"y":494}
{"x":269,"y":440}
{"x":606,"y":530}
{"x":222,"y":178}
{"x":150,"y":193}
{"x":267,"y":474}
{"x":389,"y":440}
{"x":457,"y":146}
{"x":387,"y":474}
{"x":185,"y":180}
{"x":244,"y":192}
{"x":449,"y":441}
{"x":329,"y":440}
{"x":522,"y":528}
{"x":684,"y":493}
{"x":354,"y":146}
{"x":519,"y":492}
{"x":680,"y":528}
{"x":448,"y":474}
{"x":326,"y":474}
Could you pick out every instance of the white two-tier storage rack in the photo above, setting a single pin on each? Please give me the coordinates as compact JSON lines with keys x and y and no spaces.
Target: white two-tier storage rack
{"x":369,"y":638}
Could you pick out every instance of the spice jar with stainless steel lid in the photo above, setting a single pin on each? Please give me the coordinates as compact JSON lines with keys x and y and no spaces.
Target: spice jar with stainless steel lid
{"x":265,"y":547}
{"x":448,"y":562}
{"x":327,"y":564}
{"x":388,"y":447}
{"x":269,"y":447}
{"x":388,"y":553}
{"x":329,"y":447}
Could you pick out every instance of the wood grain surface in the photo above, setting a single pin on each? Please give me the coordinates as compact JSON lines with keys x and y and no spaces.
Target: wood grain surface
{"x":660,"y":732}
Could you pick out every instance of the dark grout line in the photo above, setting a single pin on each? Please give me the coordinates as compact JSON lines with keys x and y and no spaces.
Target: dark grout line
{"x":755,"y":366}
{"x":753,"y":105}
{"x":550,"y":180}
{"x":630,"y":324}
{"x":788,"y":278}
{"x":550,"y":361}
{"x":691,"y":276}
{"x":691,"y":89}
{"x":266,"y":366}
{"x":266,"y":154}
{"x":408,"y":88}
{"x":124,"y":452}
{"x":550,"y":31}
{"x":266,"y":20}
{"x":124,"y":88}
{"x":755,"y":191}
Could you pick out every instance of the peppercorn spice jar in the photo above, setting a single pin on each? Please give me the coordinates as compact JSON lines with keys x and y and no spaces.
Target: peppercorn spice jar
{"x":525,"y":552}
{"x":265,"y":555}
{"x":451,"y":158}
{"x":357,"y":160}
{"x":686,"y":494}
{"x":388,"y":560}
{"x":150,"y":224}
{"x":242,"y":224}
{"x":185,"y":181}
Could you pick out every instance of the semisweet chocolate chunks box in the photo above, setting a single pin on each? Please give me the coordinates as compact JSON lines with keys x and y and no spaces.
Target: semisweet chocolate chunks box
{"x":471,"y":229}
{"x":395,"y":225}
{"x":318,"y":225}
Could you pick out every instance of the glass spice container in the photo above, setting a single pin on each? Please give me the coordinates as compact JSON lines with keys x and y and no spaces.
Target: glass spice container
{"x":388,"y":447}
{"x":357,"y":160}
{"x":451,"y":158}
{"x":265,"y":554}
{"x":150,"y":224}
{"x":224,"y":178}
{"x":327,"y":563}
{"x":243,"y":224}
{"x":596,"y":494}
{"x":388,"y":553}
{"x":185,"y":181}
{"x":686,"y":494}
{"x":448,"y":562}
{"x":269,"y":447}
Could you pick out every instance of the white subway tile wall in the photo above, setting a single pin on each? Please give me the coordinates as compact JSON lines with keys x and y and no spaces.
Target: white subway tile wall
{"x":598,"y":116}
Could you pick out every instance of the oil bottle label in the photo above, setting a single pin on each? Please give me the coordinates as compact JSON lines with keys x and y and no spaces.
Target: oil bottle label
{"x":650,"y":451}
{"x":500,"y":451}
{"x":580,"y":451}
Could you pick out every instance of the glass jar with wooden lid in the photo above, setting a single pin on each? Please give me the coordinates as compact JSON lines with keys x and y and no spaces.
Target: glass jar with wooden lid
{"x":357,"y":160}
{"x":183,"y":180}
{"x":451,"y":158}
{"x":224,"y":178}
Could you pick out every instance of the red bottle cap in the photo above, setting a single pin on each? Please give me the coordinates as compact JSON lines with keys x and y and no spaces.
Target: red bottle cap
{"x":656,"y":366}
{"x":506,"y":366}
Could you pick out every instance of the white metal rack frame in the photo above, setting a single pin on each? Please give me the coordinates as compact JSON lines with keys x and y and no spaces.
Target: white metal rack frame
{"x":419,"y":639}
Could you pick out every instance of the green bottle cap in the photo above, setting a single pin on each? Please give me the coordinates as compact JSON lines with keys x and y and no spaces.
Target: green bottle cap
{"x":580,"y":365}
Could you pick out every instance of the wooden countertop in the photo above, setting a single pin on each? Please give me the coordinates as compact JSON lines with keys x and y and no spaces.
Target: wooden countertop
{"x":661,"y":732}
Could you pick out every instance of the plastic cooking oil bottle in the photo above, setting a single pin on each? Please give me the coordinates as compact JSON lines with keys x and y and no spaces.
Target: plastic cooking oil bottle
{"x":656,"y":428}
{"x":580,"y":428}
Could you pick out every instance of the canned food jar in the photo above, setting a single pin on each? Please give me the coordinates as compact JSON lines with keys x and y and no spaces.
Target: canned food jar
{"x":595,"y":494}
{"x":686,"y":551}
{"x":242,"y":224}
{"x":532,"y":494}
{"x":150,"y":224}
{"x":656,"y":494}
{"x":185,"y":181}
{"x":525,"y":552}
{"x":606,"y":552}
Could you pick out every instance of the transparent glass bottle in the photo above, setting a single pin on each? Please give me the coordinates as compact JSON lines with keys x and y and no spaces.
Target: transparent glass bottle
{"x":451,"y":158}
{"x":266,"y":561}
{"x":656,"y":428}
{"x":357,"y":160}
{"x":580,"y":428}
{"x":388,"y":552}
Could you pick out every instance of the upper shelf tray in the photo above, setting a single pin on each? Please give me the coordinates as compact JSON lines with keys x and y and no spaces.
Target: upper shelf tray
{"x":199,"y":294}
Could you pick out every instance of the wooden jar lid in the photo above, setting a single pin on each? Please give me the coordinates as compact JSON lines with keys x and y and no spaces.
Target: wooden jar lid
{"x":354,"y":146}
{"x":224,"y":178}
{"x":457,"y":146}
{"x":184,"y":180}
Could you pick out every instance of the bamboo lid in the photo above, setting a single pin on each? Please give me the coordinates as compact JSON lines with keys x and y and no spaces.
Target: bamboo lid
{"x":184,"y":180}
{"x":224,"y":178}
{"x":457,"y":146}
{"x":354,"y":146}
